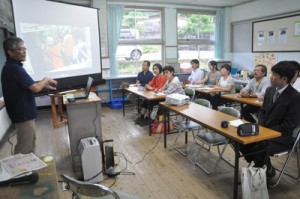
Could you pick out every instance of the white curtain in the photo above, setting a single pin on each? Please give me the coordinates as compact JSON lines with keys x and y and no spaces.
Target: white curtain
{"x":115,"y":16}
{"x":219,"y":34}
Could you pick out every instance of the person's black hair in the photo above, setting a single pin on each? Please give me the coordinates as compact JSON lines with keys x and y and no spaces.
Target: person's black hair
{"x":11,"y":43}
{"x":213,"y":64}
{"x":196,"y":61}
{"x":295,"y":64}
{"x":264,"y":69}
{"x":227,"y":67}
{"x":148,"y":63}
{"x":158,"y":66}
{"x":284,"y":69}
{"x":169,"y":68}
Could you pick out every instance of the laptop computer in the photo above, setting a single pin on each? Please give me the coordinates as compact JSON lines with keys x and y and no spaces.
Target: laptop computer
{"x":82,"y":95}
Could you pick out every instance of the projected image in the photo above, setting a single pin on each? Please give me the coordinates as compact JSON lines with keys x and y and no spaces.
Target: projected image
{"x":54,"y":49}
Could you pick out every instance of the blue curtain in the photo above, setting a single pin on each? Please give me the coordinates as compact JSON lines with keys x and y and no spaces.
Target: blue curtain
{"x":115,"y":16}
{"x":219,"y":34}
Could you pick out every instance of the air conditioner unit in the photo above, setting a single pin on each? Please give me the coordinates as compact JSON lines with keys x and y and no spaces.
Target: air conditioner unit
{"x":91,"y":159}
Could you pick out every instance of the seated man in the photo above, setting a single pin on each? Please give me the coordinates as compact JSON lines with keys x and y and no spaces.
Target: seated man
{"x":143,"y":78}
{"x":197,"y":74}
{"x":256,"y":86}
{"x":280,"y":112}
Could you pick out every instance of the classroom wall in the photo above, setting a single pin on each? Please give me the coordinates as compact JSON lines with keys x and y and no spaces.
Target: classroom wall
{"x":238,"y":48}
{"x":5,"y":122}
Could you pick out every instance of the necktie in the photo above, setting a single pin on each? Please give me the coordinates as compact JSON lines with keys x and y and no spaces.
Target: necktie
{"x":275,"y":96}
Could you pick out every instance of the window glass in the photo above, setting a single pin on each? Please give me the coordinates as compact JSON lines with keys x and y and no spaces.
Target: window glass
{"x":131,"y":57}
{"x":140,"y":39}
{"x":196,"y":36}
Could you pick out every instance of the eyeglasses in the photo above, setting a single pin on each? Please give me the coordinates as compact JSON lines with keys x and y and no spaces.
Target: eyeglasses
{"x":20,"y":49}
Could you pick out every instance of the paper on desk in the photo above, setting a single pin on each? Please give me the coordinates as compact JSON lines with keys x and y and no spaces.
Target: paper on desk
{"x":236,"y":123}
{"x":194,"y":85}
{"x":160,"y":94}
{"x":19,"y":164}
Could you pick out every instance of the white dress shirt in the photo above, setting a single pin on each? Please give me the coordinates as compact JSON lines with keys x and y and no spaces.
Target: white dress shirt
{"x":196,"y":75}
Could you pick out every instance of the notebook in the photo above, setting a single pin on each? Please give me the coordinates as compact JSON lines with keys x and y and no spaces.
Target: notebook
{"x":82,"y":95}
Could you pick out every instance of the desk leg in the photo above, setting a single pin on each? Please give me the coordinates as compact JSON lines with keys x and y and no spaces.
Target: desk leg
{"x":123,"y":101}
{"x":149,"y":119}
{"x":60,"y":107}
{"x":236,"y":170}
{"x":166,"y":121}
{"x":165,"y":127}
{"x":54,"y":113}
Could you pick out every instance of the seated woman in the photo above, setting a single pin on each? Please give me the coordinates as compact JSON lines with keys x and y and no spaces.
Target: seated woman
{"x":213,"y":76}
{"x":173,"y":85}
{"x":157,"y":83}
{"x":226,"y":82}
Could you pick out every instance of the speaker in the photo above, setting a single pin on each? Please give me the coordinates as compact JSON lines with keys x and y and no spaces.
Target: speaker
{"x":109,"y":161}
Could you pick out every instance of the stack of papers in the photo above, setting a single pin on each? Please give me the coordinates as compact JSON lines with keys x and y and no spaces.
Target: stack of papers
{"x":18,"y":165}
{"x":194,"y":85}
{"x":160,"y":94}
{"x":236,"y":123}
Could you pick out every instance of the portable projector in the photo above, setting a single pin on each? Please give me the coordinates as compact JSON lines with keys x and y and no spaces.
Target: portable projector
{"x":177,"y":99}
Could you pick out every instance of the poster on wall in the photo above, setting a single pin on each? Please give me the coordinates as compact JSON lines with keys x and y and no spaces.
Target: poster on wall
{"x":260,"y":38}
{"x":271,"y":37}
{"x":283,"y":33}
{"x":267,"y":59}
{"x":297,"y":29}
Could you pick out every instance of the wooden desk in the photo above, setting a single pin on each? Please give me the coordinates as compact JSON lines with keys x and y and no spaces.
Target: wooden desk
{"x":145,"y":94}
{"x":45,"y":188}
{"x":243,"y":100}
{"x":62,"y":120}
{"x":84,"y":120}
{"x":211,"y":119}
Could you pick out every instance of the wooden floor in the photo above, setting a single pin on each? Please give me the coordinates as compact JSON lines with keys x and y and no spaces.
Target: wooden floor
{"x":161,"y":174}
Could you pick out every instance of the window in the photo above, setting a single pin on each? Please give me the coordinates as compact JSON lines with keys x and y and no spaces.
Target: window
{"x":196,"y":35}
{"x":140,"y":39}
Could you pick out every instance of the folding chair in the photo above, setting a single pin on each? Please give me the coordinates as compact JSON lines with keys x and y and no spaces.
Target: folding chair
{"x":191,"y":93}
{"x":187,"y":125}
{"x":93,"y":191}
{"x":213,"y":139}
{"x":296,"y":136}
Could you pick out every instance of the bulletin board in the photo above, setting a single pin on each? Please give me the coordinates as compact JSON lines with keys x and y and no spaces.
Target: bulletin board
{"x":276,"y":35}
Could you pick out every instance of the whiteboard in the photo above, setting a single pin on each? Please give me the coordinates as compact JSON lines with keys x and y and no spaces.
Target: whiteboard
{"x":276,"y":35}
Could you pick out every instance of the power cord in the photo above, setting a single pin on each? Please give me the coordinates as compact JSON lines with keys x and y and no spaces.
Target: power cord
{"x":12,"y":145}
{"x":93,"y":176}
{"x":140,"y":161}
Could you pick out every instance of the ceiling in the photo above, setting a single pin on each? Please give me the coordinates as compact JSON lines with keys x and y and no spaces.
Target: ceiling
{"x":210,"y":3}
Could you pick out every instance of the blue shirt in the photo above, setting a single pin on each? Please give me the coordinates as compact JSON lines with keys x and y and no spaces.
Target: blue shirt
{"x":145,"y":78}
{"x":19,"y":100}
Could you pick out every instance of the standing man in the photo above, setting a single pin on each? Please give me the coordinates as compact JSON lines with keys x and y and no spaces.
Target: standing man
{"x":197,"y":74}
{"x":280,"y":112}
{"x":256,"y":86}
{"x":18,"y":91}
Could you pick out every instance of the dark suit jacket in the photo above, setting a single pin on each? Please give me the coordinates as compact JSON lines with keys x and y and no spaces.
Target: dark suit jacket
{"x":282,"y":116}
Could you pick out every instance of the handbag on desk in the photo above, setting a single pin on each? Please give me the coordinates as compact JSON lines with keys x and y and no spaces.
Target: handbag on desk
{"x":248,"y":129}
{"x":254,"y":183}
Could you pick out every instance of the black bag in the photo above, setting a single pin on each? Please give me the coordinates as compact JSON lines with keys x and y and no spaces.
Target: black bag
{"x":248,"y":129}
